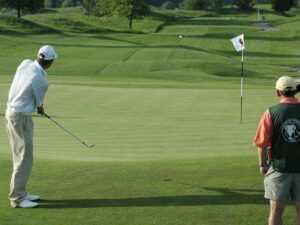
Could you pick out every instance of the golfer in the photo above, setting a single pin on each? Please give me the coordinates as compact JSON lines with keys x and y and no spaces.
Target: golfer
{"x":278,"y":142}
{"x":26,"y":96}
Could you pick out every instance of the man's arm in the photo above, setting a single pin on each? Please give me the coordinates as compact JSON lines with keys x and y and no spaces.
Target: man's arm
{"x":39,"y":94}
{"x":262,"y":140}
{"x":262,"y":160}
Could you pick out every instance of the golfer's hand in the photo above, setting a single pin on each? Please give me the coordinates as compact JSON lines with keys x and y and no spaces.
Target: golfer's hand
{"x":263,"y":170}
{"x":40,"y":110}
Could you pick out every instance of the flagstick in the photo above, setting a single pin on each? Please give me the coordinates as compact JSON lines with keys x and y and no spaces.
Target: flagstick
{"x":242,"y":76}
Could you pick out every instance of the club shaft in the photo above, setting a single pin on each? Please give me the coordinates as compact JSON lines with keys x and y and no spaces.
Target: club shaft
{"x":65,"y":129}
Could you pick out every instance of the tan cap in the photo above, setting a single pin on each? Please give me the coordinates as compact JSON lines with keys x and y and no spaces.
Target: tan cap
{"x":286,"y":83}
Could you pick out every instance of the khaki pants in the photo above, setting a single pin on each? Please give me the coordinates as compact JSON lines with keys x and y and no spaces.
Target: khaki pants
{"x":20,"y":133}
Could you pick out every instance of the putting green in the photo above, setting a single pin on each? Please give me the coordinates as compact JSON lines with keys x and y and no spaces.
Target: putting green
{"x":145,"y":123}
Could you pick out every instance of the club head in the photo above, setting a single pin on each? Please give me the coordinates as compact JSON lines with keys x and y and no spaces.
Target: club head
{"x":90,"y":146}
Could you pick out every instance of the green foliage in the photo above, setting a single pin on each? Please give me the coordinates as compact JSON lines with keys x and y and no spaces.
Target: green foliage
{"x":57,"y":3}
{"x":193,"y":4}
{"x":131,"y":9}
{"x":159,"y":3}
{"x":217,"y":4}
{"x":168,"y":5}
{"x":106,"y":7}
{"x":68,"y":3}
{"x":90,"y":7}
{"x":262,"y":1}
{"x":281,"y":6}
{"x":48,"y":4}
{"x":31,"y":6}
{"x":244,"y":4}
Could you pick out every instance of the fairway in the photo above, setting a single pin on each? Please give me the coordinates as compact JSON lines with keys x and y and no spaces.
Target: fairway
{"x":162,"y":111}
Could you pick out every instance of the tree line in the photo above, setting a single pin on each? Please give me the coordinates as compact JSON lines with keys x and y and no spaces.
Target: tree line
{"x":137,"y":9}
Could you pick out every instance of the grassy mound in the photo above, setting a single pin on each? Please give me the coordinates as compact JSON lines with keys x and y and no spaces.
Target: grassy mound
{"x":74,"y":20}
{"x":13,"y":25}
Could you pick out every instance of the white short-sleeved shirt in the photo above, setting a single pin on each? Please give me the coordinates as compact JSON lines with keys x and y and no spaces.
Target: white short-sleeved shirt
{"x":28,"y":88}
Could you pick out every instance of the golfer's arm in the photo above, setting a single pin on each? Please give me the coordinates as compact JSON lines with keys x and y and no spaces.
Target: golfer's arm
{"x":39,"y":94}
{"x":262,"y":156}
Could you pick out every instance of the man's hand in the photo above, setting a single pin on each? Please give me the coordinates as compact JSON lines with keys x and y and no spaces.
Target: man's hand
{"x":263,"y":169}
{"x":40,"y":110}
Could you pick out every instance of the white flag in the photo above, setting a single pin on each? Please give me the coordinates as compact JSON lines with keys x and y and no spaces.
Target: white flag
{"x":238,"y":43}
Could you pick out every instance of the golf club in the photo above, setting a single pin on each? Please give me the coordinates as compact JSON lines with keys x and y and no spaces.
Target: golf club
{"x":90,"y":146}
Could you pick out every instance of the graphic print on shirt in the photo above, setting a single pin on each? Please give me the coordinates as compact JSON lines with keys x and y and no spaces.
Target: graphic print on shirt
{"x":291,"y":130}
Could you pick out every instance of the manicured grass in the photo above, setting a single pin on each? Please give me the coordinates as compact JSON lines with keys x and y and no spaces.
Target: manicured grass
{"x":204,"y":191}
{"x":162,"y":156}
{"x":190,"y":191}
{"x":163,"y":112}
{"x":151,"y":123}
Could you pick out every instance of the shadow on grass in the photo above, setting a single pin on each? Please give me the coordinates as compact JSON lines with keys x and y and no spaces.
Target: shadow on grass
{"x":38,"y":116}
{"x":228,"y":36}
{"x":211,"y":22}
{"x":220,"y":196}
{"x":142,"y":46}
{"x":262,"y":54}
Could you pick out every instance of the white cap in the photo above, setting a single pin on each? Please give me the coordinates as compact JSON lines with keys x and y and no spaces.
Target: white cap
{"x":286,"y":83}
{"x":48,"y":51}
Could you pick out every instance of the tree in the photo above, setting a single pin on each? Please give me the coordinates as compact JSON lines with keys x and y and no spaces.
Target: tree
{"x":68,"y":3}
{"x":217,"y":4}
{"x":53,"y":3}
{"x":282,"y":5}
{"x":57,"y":3}
{"x":48,"y":4}
{"x":31,"y":6}
{"x":262,"y":1}
{"x":244,"y":4}
{"x":90,"y":6}
{"x":168,"y":5}
{"x":106,"y":7}
{"x":193,"y":4}
{"x":159,"y":3}
{"x":131,"y":9}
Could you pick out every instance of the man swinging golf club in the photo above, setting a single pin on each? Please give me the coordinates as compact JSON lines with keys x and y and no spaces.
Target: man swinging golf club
{"x":26,"y":96}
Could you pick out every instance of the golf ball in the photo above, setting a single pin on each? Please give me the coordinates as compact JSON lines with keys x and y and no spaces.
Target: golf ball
{"x":180,"y":36}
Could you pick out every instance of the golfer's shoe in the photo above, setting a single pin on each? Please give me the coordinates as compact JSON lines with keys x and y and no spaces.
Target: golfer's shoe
{"x":32,"y":197}
{"x":26,"y":204}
